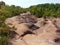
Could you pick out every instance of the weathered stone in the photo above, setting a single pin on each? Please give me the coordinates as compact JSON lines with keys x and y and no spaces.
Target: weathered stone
{"x":18,"y":42}
{"x":21,"y":28}
{"x":35,"y":40}
{"x":31,"y":30}
{"x":48,"y":31}
{"x":40,"y":22}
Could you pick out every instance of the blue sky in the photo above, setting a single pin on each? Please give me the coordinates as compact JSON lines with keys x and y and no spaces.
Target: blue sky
{"x":27,"y":3}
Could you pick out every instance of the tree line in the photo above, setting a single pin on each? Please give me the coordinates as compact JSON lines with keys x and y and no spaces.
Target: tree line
{"x":46,"y":10}
{"x":40,"y":10}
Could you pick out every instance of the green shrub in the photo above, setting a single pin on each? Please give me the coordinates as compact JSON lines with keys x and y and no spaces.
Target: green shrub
{"x":4,"y":41}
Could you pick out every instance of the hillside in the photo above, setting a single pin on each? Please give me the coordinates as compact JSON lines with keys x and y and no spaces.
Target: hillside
{"x":36,"y":25}
{"x":30,"y":30}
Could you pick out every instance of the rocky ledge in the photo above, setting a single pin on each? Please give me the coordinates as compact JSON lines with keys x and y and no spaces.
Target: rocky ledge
{"x":30,"y":30}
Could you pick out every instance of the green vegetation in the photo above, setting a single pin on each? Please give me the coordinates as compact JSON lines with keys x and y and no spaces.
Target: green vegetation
{"x":46,"y":10}
{"x":6,"y":11}
{"x":4,"y":34}
{"x":41,"y":10}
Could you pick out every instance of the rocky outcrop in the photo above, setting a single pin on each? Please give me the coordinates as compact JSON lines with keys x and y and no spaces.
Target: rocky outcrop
{"x":30,"y":30}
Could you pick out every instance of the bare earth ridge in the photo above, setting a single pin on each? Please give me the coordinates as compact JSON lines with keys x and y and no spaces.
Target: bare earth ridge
{"x":30,"y":30}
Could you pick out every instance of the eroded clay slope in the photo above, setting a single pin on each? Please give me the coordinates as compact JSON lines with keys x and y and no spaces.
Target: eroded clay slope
{"x":30,"y":30}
